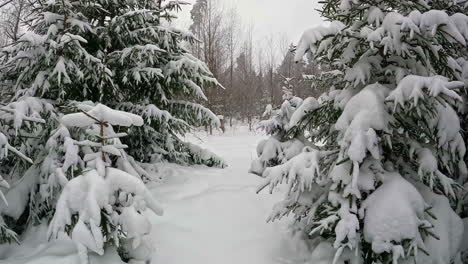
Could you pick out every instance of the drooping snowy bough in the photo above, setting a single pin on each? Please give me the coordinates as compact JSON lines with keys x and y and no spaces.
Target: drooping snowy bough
{"x":385,"y":183}
{"x":14,"y":117}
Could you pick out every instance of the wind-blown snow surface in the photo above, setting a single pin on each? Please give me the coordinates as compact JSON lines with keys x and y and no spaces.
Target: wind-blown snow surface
{"x":214,"y":216}
{"x":211,"y":216}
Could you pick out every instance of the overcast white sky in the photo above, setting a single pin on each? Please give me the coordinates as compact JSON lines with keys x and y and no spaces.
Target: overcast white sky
{"x":291,"y":17}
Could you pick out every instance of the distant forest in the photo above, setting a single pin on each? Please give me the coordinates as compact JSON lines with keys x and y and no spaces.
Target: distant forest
{"x":252,"y":70}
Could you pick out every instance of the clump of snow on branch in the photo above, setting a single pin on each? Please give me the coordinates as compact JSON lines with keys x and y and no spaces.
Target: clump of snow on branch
{"x":392,"y":213}
{"x":311,"y":37}
{"x":411,"y":88}
{"x":362,"y":116}
{"x":300,"y":172}
{"x":272,"y":152}
{"x":308,"y":105}
{"x":206,"y":156}
{"x":102,"y":113}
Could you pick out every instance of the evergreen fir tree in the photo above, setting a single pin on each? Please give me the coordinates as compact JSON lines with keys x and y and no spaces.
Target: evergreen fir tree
{"x":384,"y":178}
{"x":121,"y":54}
{"x":157,"y":78}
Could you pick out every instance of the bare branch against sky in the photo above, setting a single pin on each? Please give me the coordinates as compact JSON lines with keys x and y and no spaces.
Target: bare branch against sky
{"x":268,"y":16}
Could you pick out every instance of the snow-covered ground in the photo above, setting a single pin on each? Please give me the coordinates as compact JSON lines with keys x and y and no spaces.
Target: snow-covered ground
{"x":214,"y":216}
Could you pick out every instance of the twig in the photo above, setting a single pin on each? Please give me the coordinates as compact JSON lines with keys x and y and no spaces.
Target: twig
{"x":5,"y":3}
{"x":90,"y":116}
{"x":19,"y":154}
{"x":25,"y":118}
{"x":261,"y":187}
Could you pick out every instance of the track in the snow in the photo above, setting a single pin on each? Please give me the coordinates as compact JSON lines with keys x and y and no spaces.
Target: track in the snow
{"x":214,"y":216}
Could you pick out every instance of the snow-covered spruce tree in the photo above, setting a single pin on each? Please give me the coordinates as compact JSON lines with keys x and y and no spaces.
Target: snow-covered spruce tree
{"x":46,"y":67}
{"x":157,"y":78}
{"x":383,"y":183}
{"x":279,"y":148}
{"x":71,"y":55}
{"x":125,"y":55}
{"x":105,"y":204}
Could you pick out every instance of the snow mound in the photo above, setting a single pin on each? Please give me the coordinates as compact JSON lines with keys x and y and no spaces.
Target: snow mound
{"x":36,"y":249}
{"x":464,"y":243}
{"x":325,"y":253}
{"x":447,"y":227}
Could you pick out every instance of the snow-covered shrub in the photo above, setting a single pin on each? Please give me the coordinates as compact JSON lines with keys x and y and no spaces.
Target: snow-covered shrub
{"x":106,"y":202}
{"x":383,"y":182}
{"x":71,"y":179}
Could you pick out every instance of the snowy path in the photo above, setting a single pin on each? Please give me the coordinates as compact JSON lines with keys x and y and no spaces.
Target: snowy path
{"x":214,"y":216}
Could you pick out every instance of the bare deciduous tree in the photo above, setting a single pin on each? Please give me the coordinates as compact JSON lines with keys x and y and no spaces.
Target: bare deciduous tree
{"x":245,"y":63}
{"x":12,"y":15}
